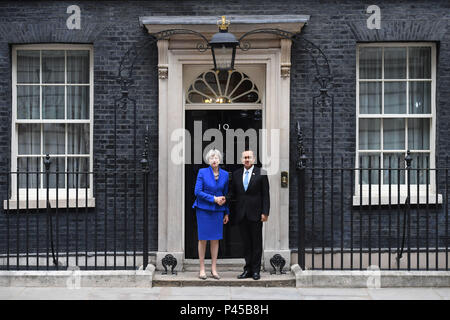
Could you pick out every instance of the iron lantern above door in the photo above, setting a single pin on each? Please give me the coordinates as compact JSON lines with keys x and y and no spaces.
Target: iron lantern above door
{"x":223,"y":47}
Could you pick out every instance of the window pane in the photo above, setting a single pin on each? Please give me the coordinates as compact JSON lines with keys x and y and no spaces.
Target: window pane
{"x":420,"y":63}
{"x":29,"y":138}
{"x":370,"y":97}
{"x":235,"y":78}
{"x":395,"y":63}
{"x":33,"y":165}
{"x":201,"y":87}
{"x":223,"y":80}
{"x":419,"y":134}
{"x":393,"y":161}
{"x":419,"y":97}
{"x":210,"y":78}
{"x":243,"y":87}
{"x":77,"y":102}
{"x":372,"y":160}
{"x":420,"y":161}
{"x":370,"y":63}
{"x":53,"y":102}
{"x":197,"y":98}
{"x":223,"y":87}
{"x":80,"y":166}
{"x":249,"y":97}
{"x":54,"y":138}
{"x":369,"y":134}
{"x":78,"y":66}
{"x":394,"y":97}
{"x":78,"y":138}
{"x":57,"y":165}
{"x":28,"y":102}
{"x":53,"y":66}
{"x":394,"y":134}
{"x":28,"y":69}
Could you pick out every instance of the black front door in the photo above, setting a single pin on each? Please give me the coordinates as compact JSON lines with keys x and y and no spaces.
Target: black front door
{"x":230,"y":246}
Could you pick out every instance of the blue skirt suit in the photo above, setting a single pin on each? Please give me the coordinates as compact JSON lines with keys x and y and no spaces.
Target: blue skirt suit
{"x":210,"y":214}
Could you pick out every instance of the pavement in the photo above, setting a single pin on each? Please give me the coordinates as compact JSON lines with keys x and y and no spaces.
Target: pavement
{"x":222,"y":293}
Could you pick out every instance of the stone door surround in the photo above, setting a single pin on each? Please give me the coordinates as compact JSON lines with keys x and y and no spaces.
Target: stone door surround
{"x":178,"y":52}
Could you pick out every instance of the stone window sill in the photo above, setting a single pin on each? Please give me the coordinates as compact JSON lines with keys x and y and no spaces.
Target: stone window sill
{"x":433,"y":199}
{"x":63,"y":203}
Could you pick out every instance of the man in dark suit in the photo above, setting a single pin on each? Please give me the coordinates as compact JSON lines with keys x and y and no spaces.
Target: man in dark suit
{"x":250,"y":192}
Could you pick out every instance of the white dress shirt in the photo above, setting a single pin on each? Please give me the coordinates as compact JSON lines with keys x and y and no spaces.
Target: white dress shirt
{"x":249,"y":174}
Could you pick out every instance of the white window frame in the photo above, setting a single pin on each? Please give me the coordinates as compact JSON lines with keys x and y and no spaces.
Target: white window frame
{"x":29,"y":199}
{"x":372,"y":196}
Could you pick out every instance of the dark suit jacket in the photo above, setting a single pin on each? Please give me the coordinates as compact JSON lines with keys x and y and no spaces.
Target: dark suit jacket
{"x":253,"y":202}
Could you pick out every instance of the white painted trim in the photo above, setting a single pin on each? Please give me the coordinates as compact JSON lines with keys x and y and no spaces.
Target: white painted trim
{"x":239,"y":24}
{"x":431,"y":116}
{"x":395,"y":115}
{"x":233,"y":106}
{"x":198,"y":74}
{"x":417,"y":193}
{"x":53,"y":46}
{"x":171,"y":233}
{"x":433,"y":199}
{"x":62,"y":203}
{"x":52,"y":121}
{"x":395,"y":44}
{"x":14,"y":121}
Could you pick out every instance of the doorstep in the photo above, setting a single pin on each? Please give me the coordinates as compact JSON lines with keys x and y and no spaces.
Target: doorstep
{"x":228,"y":279}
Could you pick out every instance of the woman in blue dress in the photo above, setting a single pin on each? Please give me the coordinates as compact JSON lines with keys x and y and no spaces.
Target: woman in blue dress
{"x":212,"y":213}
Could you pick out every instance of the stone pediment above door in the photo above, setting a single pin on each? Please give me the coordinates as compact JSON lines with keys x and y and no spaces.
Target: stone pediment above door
{"x":239,"y":25}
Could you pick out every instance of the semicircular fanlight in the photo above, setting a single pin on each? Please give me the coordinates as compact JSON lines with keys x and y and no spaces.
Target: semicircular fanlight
{"x":222,"y":87}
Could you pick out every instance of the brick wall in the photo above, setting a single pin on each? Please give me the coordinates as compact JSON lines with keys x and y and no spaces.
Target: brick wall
{"x":112,"y":27}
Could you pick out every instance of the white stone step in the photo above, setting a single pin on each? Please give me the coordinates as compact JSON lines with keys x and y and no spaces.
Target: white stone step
{"x":191,"y":265}
{"x":228,"y":279}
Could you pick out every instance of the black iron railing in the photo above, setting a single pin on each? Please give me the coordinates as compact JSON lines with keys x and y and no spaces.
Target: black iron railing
{"x":101,"y":221}
{"x":351,"y":224}
{"x":353,"y":218}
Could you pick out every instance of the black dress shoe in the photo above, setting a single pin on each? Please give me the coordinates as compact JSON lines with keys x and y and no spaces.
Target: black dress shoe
{"x":244,"y":275}
{"x":256,"y":276}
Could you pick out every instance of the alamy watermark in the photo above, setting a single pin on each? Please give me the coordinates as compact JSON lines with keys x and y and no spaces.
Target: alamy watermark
{"x":74,"y":280}
{"x":374,"y":21}
{"x":188,"y":149}
{"x":374,"y":277}
{"x":73,"y":22}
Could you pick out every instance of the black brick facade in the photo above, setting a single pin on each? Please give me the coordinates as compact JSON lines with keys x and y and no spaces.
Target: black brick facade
{"x":112,"y":27}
